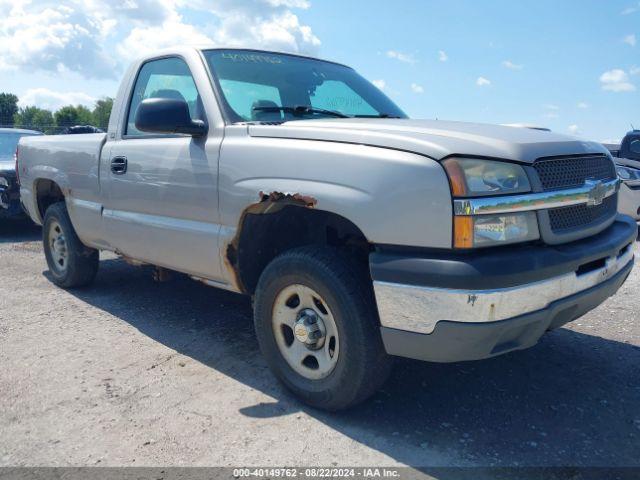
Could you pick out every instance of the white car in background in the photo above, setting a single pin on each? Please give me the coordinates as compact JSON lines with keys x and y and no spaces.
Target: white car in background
{"x":627,"y":158}
{"x":629,"y":197}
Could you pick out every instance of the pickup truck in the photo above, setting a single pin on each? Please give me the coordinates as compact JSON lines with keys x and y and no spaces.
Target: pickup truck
{"x":360,"y":234}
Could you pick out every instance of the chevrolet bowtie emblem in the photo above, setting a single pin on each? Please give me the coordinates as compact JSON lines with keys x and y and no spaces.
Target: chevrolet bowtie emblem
{"x":597,"y":192}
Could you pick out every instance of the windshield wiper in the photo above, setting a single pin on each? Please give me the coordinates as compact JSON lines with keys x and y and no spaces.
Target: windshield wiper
{"x":300,"y":110}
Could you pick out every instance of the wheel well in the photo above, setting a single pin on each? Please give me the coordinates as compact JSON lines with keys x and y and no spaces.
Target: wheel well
{"x":47,"y":193}
{"x":263,"y":236}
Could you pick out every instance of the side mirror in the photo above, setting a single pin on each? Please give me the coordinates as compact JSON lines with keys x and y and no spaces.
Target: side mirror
{"x":167,"y":115}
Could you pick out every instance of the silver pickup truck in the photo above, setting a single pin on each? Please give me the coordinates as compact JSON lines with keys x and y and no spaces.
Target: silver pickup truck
{"x":359,"y":233}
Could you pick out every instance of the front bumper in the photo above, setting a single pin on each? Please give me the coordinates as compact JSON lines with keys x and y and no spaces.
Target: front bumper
{"x":10,"y":206}
{"x":454,"y":307}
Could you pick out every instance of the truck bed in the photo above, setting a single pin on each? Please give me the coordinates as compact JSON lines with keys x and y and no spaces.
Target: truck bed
{"x":73,"y":163}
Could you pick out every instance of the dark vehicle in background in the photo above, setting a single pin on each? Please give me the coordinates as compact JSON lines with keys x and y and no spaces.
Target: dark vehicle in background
{"x":9,"y":190}
{"x":627,"y":158}
{"x":630,"y":147}
{"x":78,"y":129}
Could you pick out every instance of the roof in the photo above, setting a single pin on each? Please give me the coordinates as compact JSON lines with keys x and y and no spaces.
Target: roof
{"x":178,"y":49}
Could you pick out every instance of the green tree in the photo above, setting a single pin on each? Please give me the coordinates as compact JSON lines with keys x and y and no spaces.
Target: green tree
{"x":69,"y":116}
{"x":102,"y":111}
{"x":34,"y":118}
{"x":8,"y":108}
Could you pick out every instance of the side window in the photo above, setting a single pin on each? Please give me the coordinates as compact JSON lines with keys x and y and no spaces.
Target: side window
{"x":165,"y":78}
{"x":243,"y":96}
{"x":335,"y":95}
{"x":634,"y":146}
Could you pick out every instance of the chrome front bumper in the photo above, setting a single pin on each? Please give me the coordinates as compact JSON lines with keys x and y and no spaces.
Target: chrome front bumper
{"x":419,"y":308}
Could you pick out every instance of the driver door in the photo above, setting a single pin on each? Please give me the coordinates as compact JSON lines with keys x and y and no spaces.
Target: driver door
{"x":161,"y":203}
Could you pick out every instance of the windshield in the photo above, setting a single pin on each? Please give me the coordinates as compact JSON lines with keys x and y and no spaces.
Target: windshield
{"x":8,"y":144}
{"x":257,"y":85}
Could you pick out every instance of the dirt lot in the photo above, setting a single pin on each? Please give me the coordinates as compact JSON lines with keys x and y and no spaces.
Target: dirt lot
{"x":132,"y":372}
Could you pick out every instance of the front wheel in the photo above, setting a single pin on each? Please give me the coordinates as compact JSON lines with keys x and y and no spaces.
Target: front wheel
{"x":317,"y":327}
{"x":71,"y":263}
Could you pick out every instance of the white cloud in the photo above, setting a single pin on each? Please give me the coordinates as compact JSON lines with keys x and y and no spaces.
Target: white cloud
{"x":442,"y":56}
{"x":483,"y":82}
{"x":634,"y":71}
{"x":381,"y":84}
{"x":631,"y":9}
{"x":583,"y":105}
{"x":630,"y":40}
{"x":55,"y":37}
{"x":616,"y":80}
{"x":402,"y":57}
{"x":512,"y":66}
{"x":573,"y":129}
{"x":550,"y":106}
{"x":289,"y":3}
{"x":144,"y":40}
{"x":415,"y":88}
{"x":281,"y":31}
{"x":95,"y":37}
{"x":51,"y":100}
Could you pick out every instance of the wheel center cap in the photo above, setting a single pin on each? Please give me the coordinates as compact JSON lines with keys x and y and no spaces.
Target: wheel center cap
{"x":59,"y":245}
{"x":309,"y":329}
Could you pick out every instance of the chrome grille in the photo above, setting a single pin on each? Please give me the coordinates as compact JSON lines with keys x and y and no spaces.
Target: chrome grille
{"x":556,"y":174}
{"x":569,"y":218}
{"x":571,"y":172}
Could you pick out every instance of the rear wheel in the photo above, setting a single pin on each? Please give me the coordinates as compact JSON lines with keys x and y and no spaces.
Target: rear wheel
{"x":71,"y":263}
{"x":317,"y":327}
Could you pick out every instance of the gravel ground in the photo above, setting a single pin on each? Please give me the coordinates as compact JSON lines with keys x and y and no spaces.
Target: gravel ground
{"x":132,"y":372}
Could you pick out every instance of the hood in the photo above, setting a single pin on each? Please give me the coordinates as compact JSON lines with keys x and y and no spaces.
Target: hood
{"x":434,"y":138}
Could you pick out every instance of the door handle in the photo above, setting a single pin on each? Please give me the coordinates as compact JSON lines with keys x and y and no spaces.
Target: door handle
{"x":119,"y":165}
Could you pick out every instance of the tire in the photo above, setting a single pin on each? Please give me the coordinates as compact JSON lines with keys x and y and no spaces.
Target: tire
{"x":359,"y":365}
{"x":71,"y":263}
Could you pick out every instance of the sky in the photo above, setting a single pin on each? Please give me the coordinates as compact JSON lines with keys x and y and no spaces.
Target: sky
{"x":572,"y":66}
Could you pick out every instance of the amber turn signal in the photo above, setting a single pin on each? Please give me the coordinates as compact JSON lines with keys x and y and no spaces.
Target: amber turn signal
{"x":456,"y":177}
{"x":462,"y":232}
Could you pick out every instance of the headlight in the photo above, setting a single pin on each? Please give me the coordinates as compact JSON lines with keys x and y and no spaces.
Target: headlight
{"x":489,"y":230}
{"x":628,"y":174}
{"x":4,"y":182}
{"x":480,"y":178}
{"x":475,"y":178}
